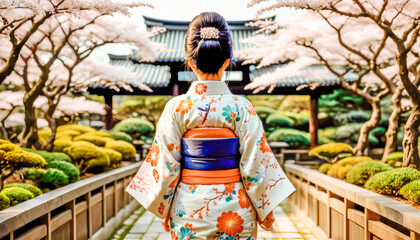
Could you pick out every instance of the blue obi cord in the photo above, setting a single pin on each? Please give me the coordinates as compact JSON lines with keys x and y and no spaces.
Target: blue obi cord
{"x":210,"y":154}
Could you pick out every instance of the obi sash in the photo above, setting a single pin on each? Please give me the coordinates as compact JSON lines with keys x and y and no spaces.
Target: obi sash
{"x":210,"y":156}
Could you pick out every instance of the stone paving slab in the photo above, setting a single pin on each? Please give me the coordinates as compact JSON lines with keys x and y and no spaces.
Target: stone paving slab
{"x":143,"y":225}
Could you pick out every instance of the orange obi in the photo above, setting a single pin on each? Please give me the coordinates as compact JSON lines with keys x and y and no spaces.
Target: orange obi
{"x":209,"y":177}
{"x":202,"y":177}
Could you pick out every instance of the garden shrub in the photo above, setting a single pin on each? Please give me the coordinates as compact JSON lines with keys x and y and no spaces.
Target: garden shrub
{"x":335,"y":168}
{"x":411,"y":191}
{"x":35,"y":173}
{"x":102,"y":134}
{"x":330,"y":151}
{"x":324,"y":168}
{"x":61,"y":144}
{"x":31,"y":188}
{"x":264,"y":111}
{"x":4,"y":201}
{"x":44,"y":134}
{"x":21,"y":158}
{"x":293,"y":137}
{"x":75,"y":127}
{"x":134,"y":125}
{"x":67,"y":134}
{"x":390,"y":182}
{"x":88,"y":153}
{"x":342,"y":171}
{"x":97,"y":140}
{"x":59,"y":156}
{"x":54,"y":176}
{"x":68,"y":168}
{"x":121,"y":136}
{"x":126,"y":149}
{"x":17,"y":195}
{"x":114,"y":156}
{"x":348,"y":131}
{"x":280,"y":119}
{"x":361,"y":172}
{"x":395,"y":159}
{"x":49,"y":157}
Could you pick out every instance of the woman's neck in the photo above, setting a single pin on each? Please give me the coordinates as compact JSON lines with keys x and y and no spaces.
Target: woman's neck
{"x":210,"y":76}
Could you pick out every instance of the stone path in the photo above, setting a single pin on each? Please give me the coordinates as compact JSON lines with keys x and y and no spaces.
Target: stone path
{"x":145,"y":226}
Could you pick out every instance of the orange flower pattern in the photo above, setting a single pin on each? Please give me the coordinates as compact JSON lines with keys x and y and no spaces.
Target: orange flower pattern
{"x":184,"y":106}
{"x":200,"y":88}
{"x":230,"y":223}
{"x":264,"y":147}
{"x":243,"y":199}
{"x":153,"y":156}
{"x":156,"y":175}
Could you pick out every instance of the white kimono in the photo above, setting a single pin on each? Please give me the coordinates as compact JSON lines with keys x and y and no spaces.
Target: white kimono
{"x":223,"y":211}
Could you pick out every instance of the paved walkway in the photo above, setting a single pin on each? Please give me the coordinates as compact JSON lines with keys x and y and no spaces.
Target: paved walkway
{"x":145,"y":226}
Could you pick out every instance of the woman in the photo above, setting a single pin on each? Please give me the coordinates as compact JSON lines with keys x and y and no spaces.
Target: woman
{"x":210,"y":173}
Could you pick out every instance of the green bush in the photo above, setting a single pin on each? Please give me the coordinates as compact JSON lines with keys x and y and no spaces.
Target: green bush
{"x":411,"y":191}
{"x":21,"y":158}
{"x":59,"y":156}
{"x":335,"y":168}
{"x":361,"y":172}
{"x":31,"y":188}
{"x":88,"y":154}
{"x":75,"y":127}
{"x":134,"y":125}
{"x":293,"y":137}
{"x":4,"y":201}
{"x":121,"y":136}
{"x":68,"y":168}
{"x":61,"y":144}
{"x":330,"y":150}
{"x":67,"y":134}
{"x":395,"y":159}
{"x":280,"y":119}
{"x":35,"y":173}
{"x":342,"y":171}
{"x":126,"y":149}
{"x":98,"y":141}
{"x":17,"y":195}
{"x":390,"y":182}
{"x":324,"y":168}
{"x":263,"y":111}
{"x":55,"y":176}
{"x":49,"y":157}
{"x":102,"y":134}
{"x":114,"y":156}
{"x":348,"y":131}
{"x":44,"y":134}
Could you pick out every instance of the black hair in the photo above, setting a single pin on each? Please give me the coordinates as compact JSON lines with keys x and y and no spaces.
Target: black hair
{"x":208,"y":54}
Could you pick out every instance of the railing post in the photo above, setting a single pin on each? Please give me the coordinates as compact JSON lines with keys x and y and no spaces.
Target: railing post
{"x":89,"y":213}
{"x":328,"y":214}
{"x":103,"y":205}
{"x":46,"y":219}
{"x":369,"y":215}
{"x":115,"y":198}
{"x":72,"y":206}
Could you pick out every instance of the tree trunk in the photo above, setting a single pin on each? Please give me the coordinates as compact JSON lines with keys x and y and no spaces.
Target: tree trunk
{"x":410,"y":141}
{"x":30,"y":130}
{"x":52,"y":122}
{"x":391,"y":133}
{"x":363,"y":141}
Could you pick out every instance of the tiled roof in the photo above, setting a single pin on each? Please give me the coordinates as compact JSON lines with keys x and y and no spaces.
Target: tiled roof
{"x":308,"y":75}
{"x":151,"y":75}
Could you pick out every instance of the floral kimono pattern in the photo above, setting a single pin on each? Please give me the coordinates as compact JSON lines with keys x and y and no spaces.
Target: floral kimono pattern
{"x":222,"y":211}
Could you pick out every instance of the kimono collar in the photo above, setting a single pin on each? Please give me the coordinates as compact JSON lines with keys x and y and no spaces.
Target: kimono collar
{"x":208,"y":87}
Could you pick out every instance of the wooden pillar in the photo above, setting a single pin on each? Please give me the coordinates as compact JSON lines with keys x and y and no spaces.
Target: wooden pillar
{"x":108,"y":110}
{"x":175,"y":90}
{"x":313,"y":120}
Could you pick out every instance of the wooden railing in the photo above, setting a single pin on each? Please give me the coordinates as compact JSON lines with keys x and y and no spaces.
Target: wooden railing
{"x":334,"y":209}
{"x":91,"y":208}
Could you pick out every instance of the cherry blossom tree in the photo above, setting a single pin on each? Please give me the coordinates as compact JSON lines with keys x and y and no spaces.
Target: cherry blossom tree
{"x":20,"y":19}
{"x":298,"y":41}
{"x":396,"y":23}
{"x":62,"y":43}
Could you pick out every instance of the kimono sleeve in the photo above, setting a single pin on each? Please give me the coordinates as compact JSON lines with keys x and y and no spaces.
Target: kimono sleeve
{"x":264,"y":180}
{"x":154,"y":184}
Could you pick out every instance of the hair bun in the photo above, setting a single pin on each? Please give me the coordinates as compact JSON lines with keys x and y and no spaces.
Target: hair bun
{"x":209,"y":33}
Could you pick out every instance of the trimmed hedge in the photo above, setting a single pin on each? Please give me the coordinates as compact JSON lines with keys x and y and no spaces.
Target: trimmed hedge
{"x":4,"y":201}
{"x":55,"y":176}
{"x":31,"y":188}
{"x":59,"y":156}
{"x":97,"y":140}
{"x":17,"y":195}
{"x":126,"y":149}
{"x":390,"y":182}
{"x":292,"y":136}
{"x":361,"y":172}
{"x":68,"y":168}
{"x":280,"y":119}
{"x":330,"y":150}
{"x":411,"y":191}
{"x":333,"y":172}
{"x":89,"y":153}
{"x":324,"y":168}
{"x":134,"y":125}
{"x":121,"y":136}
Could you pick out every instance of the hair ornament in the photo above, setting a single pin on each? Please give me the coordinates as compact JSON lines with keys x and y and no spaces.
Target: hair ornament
{"x":209,"y":33}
